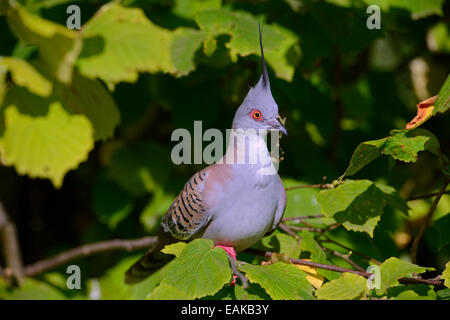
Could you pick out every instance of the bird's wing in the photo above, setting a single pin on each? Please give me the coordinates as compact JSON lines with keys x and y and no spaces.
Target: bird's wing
{"x":280,"y":208}
{"x":190,"y":211}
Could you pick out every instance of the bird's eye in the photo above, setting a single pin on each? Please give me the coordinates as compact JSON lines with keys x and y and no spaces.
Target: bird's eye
{"x":256,"y":115}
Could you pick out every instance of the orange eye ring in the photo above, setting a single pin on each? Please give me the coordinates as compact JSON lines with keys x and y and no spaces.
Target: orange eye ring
{"x":256,"y":115}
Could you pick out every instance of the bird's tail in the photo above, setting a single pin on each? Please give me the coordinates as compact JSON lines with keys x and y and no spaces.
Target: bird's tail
{"x":151,"y":262}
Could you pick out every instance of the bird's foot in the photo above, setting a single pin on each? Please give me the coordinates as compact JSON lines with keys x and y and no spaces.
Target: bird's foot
{"x":231,"y":253}
{"x":230,"y":250}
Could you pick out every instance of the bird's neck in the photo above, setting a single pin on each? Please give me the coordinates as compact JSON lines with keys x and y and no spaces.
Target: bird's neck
{"x":248,"y":148}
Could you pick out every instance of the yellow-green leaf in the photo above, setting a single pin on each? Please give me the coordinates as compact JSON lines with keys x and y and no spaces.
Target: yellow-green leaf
{"x":58,"y":46}
{"x":175,"y":248}
{"x":349,"y":286}
{"x":446,"y":275}
{"x":282,"y":281}
{"x":46,"y":146}
{"x":25,"y":75}
{"x":119,"y":42}
{"x":393,"y":269}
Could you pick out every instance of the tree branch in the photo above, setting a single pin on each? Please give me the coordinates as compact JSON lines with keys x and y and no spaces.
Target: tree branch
{"x":301,"y":218}
{"x":426,"y":196}
{"x":88,"y":250}
{"x":267,"y":254}
{"x":352,"y":250}
{"x":426,"y":221}
{"x":317,"y":186}
{"x":345,"y":257}
{"x":11,"y":247}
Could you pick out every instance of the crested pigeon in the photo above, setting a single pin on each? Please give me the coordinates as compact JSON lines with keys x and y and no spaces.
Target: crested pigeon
{"x":233,"y":203}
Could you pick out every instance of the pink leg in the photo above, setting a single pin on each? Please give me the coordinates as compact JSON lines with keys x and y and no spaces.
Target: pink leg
{"x":230,"y":250}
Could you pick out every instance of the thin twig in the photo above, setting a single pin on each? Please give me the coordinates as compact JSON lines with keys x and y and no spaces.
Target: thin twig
{"x":365,"y":274}
{"x":88,"y":250}
{"x":427,"y":196}
{"x":345,"y":257}
{"x":301,"y":218}
{"x":317,"y":186}
{"x":426,"y":221}
{"x":11,"y":248}
{"x":288,"y":230}
{"x":350,"y":249}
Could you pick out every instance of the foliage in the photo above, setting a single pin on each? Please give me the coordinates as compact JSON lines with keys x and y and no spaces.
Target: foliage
{"x":86,"y":118}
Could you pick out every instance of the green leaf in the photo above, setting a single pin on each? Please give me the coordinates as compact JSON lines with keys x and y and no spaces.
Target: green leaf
{"x":31,"y":289}
{"x":308,"y":243}
{"x":175,"y":248}
{"x":442,"y":103}
{"x":58,"y":46}
{"x":401,"y":145}
{"x":189,"y":8}
{"x":393,"y":198}
{"x":243,"y":27}
{"x":282,"y":243}
{"x":91,"y":98}
{"x":200,"y":270}
{"x":253,"y":292}
{"x":166,"y":291}
{"x":111,"y":285}
{"x":358,"y":205}
{"x":443,"y":294}
{"x":282,"y":281}
{"x":46,"y":146}
{"x":412,"y":292}
{"x":24,"y":75}
{"x":349,"y":286}
{"x":419,"y":8}
{"x":405,"y":144}
{"x":364,"y":154}
{"x":393,"y":269}
{"x":119,"y":42}
{"x":184,"y":45}
{"x":446,"y":275}
{"x":302,"y":202}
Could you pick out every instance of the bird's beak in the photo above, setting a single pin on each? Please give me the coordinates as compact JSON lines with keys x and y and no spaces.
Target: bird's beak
{"x":276,"y":125}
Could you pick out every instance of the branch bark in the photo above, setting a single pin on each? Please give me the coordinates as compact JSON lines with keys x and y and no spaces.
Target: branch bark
{"x":86,"y":251}
{"x":267,"y":254}
{"x":11,"y":248}
{"x":426,"y":222}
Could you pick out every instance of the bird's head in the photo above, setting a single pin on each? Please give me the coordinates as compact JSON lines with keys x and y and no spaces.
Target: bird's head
{"x":259,"y":110}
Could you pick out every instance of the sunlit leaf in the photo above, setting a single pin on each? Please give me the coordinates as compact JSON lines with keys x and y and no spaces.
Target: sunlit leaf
{"x":184,"y":45}
{"x":200,"y":270}
{"x":58,"y":46}
{"x":349,"y":286}
{"x":119,"y":42}
{"x":446,"y":275}
{"x":243,"y":28}
{"x":443,"y":99}
{"x":175,"y":248}
{"x":46,"y":146}
{"x":308,"y":243}
{"x":393,"y":269}
{"x":358,"y":205}
{"x":282,"y":281}
{"x":23,"y":74}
